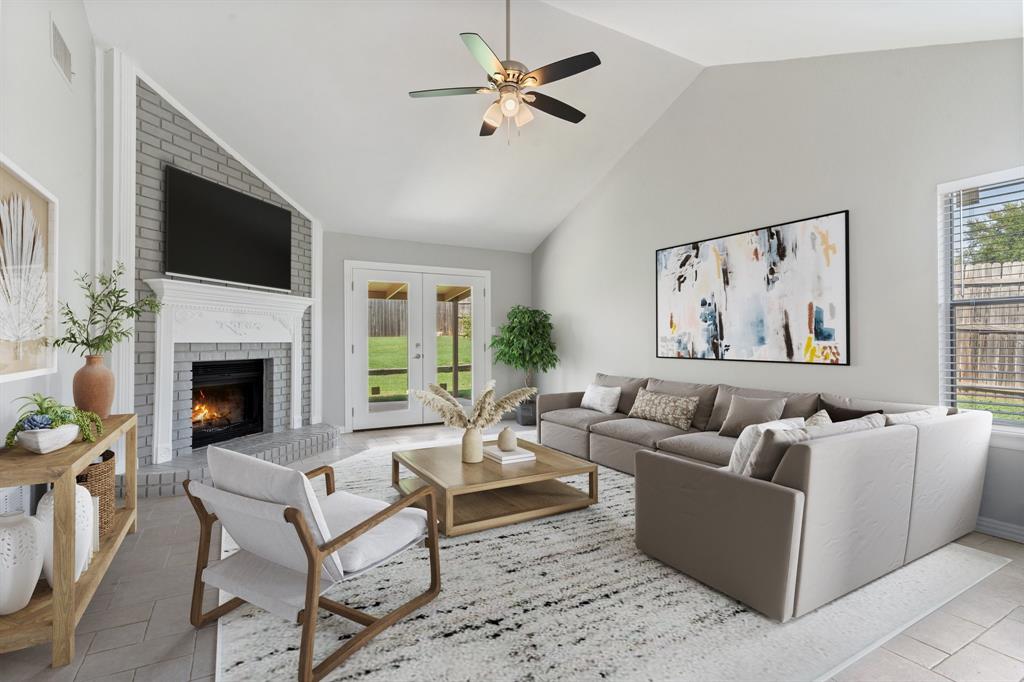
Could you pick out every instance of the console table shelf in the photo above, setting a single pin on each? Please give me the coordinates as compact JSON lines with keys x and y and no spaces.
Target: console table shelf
{"x":53,"y":615}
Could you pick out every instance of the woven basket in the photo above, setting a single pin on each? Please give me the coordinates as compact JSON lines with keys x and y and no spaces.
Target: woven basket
{"x":98,"y":479}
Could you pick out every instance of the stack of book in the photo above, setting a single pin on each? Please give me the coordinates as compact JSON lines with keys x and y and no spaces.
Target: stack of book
{"x":496,"y":454}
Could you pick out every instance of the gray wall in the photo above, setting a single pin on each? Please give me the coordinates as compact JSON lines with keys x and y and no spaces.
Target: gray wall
{"x":758,"y":144}
{"x":166,"y":136}
{"x":510,"y":285}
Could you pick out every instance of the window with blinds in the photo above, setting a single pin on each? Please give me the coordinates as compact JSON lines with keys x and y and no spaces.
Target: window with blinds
{"x":982,"y":278}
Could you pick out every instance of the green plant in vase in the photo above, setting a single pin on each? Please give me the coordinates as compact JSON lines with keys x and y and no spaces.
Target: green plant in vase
{"x":525,"y":343}
{"x":43,"y":412}
{"x":102,"y":327}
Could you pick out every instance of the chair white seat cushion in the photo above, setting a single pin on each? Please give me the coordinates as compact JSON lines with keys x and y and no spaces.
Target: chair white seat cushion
{"x":279,"y":590}
{"x":343,"y":511}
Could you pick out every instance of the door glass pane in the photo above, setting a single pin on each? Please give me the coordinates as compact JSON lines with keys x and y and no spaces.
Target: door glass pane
{"x":387,"y":321}
{"x":455,"y":340}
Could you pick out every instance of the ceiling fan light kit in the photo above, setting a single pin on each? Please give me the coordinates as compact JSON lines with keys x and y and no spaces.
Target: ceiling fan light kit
{"x":507,"y":79}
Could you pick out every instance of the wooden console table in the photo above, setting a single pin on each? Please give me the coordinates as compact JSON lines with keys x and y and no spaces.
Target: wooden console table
{"x":53,"y":615}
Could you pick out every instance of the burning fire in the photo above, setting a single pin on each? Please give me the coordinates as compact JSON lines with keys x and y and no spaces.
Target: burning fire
{"x":201,"y":411}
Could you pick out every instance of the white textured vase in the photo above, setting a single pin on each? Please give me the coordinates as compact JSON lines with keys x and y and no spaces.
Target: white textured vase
{"x":472,"y":446}
{"x":83,"y":531}
{"x":21,"y":559}
{"x":506,"y":440}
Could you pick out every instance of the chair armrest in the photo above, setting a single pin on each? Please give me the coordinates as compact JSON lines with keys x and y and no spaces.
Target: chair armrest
{"x":550,"y":402}
{"x":325,"y":471}
{"x":380,"y":517}
{"x":739,"y":535}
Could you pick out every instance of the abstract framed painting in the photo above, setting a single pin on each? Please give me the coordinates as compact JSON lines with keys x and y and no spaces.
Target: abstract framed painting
{"x":773,"y":294}
{"x":28,"y":275}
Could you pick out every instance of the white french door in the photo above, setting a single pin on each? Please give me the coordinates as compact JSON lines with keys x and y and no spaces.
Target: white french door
{"x":410,"y":328}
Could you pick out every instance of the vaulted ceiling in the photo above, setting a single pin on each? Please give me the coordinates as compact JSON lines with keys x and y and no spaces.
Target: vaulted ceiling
{"x":314,"y":93}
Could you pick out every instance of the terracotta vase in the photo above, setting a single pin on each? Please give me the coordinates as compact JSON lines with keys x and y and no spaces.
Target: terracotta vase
{"x":472,"y":446}
{"x":93,"y":386}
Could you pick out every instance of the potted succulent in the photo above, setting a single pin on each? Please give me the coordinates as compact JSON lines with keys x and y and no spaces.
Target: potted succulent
{"x":525,"y":343}
{"x":45,"y":425}
{"x":102,"y":326}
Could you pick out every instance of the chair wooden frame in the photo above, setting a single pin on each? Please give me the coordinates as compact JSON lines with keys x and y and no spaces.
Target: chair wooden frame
{"x":316,"y":554}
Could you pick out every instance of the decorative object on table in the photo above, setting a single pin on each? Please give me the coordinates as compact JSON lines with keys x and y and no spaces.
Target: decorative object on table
{"x":774,"y":294}
{"x":97,"y":332}
{"x":83,"y":531}
{"x":507,"y":440}
{"x":525,"y":343}
{"x":41,"y":425}
{"x":513,"y":456}
{"x":98,"y":479}
{"x":28,"y":269}
{"x":486,"y":412}
{"x":21,"y":560}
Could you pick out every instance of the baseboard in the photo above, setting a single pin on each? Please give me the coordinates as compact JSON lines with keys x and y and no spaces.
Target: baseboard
{"x":1001,"y":529}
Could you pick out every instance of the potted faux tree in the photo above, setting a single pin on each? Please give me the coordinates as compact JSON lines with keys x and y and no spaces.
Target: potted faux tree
{"x":102,"y":326}
{"x":524,"y":343}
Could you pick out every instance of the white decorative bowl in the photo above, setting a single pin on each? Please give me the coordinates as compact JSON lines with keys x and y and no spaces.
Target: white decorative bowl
{"x":47,"y":440}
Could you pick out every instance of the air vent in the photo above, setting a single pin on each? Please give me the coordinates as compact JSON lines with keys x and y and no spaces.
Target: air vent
{"x":60,"y":52}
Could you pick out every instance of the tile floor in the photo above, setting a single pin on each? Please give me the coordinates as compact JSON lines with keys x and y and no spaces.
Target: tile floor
{"x":137,"y":629}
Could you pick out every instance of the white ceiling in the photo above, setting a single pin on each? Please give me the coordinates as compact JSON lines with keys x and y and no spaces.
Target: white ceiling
{"x":314,"y":94}
{"x":712,"y":32}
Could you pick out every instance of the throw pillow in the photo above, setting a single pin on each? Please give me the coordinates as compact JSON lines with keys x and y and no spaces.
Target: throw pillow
{"x":797,"y":404}
{"x":870,"y":421}
{"x":769,"y":451}
{"x":749,"y":438}
{"x":915,"y":416}
{"x":838,"y":413}
{"x":673,"y":410}
{"x":745,"y":411}
{"x":604,"y":399}
{"x":819,"y":418}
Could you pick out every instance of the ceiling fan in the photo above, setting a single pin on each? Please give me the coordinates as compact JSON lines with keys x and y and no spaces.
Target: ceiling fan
{"x":509,"y":81}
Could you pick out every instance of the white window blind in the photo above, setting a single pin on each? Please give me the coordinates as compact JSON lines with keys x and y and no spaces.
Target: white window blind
{"x":982,"y":280}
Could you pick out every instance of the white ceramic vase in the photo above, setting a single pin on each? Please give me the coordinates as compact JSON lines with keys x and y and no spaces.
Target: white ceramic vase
{"x":21,"y":559}
{"x":506,"y":440}
{"x":83,"y":531}
{"x":472,"y":446}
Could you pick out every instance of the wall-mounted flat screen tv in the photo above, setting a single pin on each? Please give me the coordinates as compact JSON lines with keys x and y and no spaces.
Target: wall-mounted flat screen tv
{"x":214,"y":232}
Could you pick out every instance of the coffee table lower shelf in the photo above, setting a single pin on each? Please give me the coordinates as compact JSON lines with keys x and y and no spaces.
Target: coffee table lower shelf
{"x":484,"y":509}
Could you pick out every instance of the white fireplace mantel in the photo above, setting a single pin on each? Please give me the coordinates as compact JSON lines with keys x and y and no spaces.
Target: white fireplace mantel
{"x":193,"y":312}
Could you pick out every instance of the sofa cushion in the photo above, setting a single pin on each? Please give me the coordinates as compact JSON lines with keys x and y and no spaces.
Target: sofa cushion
{"x":883,"y":405}
{"x":674,"y":410}
{"x":604,"y":399}
{"x":705,"y":393}
{"x":838,"y":413}
{"x":797,"y":404}
{"x":751,"y":436}
{"x":704,"y":446}
{"x":870,"y":421}
{"x":630,"y":387}
{"x":579,"y":417}
{"x":639,"y":431}
{"x":915,"y":416}
{"x":769,"y":451}
{"x":744,"y":411}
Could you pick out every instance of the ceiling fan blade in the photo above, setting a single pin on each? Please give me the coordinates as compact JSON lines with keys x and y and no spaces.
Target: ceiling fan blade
{"x":447,"y":92}
{"x":484,"y":55}
{"x":561,"y":69}
{"x":492,"y":120}
{"x":557,"y":108}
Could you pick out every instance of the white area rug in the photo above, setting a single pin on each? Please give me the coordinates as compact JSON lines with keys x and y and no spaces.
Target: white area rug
{"x":570,"y":597}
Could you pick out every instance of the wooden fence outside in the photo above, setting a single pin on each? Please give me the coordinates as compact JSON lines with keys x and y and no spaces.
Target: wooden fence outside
{"x":390,"y":318}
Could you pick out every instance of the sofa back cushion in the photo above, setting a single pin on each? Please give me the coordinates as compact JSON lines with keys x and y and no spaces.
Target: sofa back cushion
{"x":705,"y":394}
{"x":674,"y":410}
{"x":630,"y":387}
{"x":775,"y":442}
{"x":839,"y":413}
{"x":915,"y":416}
{"x":883,"y":405}
{"x":797,"y":404}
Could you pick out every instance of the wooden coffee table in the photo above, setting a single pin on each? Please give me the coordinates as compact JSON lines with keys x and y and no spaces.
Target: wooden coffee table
{"x":475,"y":497}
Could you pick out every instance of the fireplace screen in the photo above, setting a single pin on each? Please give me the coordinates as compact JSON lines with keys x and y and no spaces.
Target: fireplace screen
{"x":227,"y":400}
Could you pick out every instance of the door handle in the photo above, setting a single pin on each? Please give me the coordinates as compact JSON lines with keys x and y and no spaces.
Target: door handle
{"x":417,"y":356}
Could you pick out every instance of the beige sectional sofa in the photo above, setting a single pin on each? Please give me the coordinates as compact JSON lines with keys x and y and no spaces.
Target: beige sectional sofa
{"x":838,"y":513}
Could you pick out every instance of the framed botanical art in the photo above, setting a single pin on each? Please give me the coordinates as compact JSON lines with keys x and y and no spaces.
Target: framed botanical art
{"x":773,"y":294}
{"x":28,"y":275}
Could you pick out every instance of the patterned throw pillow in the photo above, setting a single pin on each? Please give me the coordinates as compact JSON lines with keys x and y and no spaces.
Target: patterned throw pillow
{"x":819,"y":418}
{"x":668,"y":409}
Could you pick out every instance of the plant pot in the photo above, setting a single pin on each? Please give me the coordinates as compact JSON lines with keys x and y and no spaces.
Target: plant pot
{"x":42,"y":441}
{"x":472,"y":446}
{"x":93,"y":387}
{"x":21,"y":560}
{"x":526,"y":413}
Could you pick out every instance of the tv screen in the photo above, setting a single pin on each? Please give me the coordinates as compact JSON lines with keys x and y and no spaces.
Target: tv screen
{"x":214,"y":232}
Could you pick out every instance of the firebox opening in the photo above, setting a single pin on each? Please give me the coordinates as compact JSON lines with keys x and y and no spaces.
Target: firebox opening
{"x":227,"y":400}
